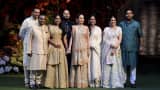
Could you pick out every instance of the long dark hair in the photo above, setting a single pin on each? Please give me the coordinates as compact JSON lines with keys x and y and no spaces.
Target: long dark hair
{"x":93,"y":15}
{"x":77,"y":17}
{"x":54,"y":17}
{"x":89,"y":24}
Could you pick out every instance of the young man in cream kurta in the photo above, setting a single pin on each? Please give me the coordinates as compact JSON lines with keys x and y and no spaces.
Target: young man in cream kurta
{"x":28,"y":22}
{"x":37,"y":49}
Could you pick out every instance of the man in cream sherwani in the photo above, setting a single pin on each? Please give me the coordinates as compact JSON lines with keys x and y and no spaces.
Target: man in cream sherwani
{"x":37,"y":49}
{"x":28,"y":22}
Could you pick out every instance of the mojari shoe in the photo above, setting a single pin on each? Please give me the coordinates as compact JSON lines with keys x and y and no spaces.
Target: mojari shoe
{"x":26,"y":85}
{"x":32,"y":87}
{"x":97,"y":83}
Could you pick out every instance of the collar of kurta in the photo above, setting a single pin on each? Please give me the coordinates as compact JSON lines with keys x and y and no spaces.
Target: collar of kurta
{"x":34,"y":19}
{"x":41,"y":25}
{"x":131,"y":21}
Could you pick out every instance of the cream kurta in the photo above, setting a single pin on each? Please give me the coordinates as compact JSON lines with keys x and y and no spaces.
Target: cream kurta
{"x":57,"y":70}
{"x":27,"y":23}
{"x":95,"y":67}
{"x":25,"y":27}
{"x":38,"y":37}
{"x":80,"y":58}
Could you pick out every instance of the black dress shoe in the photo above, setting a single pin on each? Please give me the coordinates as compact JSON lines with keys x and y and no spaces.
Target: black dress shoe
{"x":39,"y":86}
{"x":126,"y":85}
{"x":133,"y":85}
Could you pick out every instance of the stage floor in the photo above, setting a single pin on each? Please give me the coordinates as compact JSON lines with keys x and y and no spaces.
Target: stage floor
{"x":15,"y":82}
{"x":148,"y":77}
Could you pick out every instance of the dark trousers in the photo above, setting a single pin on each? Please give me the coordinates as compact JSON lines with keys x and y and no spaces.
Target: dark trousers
{"x":69,"y":62}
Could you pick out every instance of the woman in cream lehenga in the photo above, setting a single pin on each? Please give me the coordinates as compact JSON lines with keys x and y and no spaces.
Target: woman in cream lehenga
{"x":57,"y":70}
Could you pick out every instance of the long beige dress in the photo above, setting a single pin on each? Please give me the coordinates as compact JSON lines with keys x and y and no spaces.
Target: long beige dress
{"x":95,"y":54}
{"x":57,"y":70}
{"x":80,"y":57}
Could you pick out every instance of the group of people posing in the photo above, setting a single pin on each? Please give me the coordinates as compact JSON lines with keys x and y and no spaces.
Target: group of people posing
{"x":71,"y":55}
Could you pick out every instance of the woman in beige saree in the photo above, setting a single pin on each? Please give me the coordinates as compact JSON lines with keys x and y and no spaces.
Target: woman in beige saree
{"x":57,"y":70}
{"x":80,"y":54}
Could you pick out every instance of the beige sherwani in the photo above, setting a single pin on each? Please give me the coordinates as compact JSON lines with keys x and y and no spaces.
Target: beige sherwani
{"x":38,"y":38}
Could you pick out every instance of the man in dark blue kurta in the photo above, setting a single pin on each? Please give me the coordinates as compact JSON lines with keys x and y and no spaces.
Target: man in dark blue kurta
{"x":131,"y":40}
{"x":66,"y":26}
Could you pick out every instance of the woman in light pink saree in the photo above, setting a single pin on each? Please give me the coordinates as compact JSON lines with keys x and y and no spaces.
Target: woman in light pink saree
{"x":112,"y":71}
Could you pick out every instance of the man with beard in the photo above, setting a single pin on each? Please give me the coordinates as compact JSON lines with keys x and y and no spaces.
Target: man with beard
{"x":131,"y":44}
{"x":27,"y":23}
